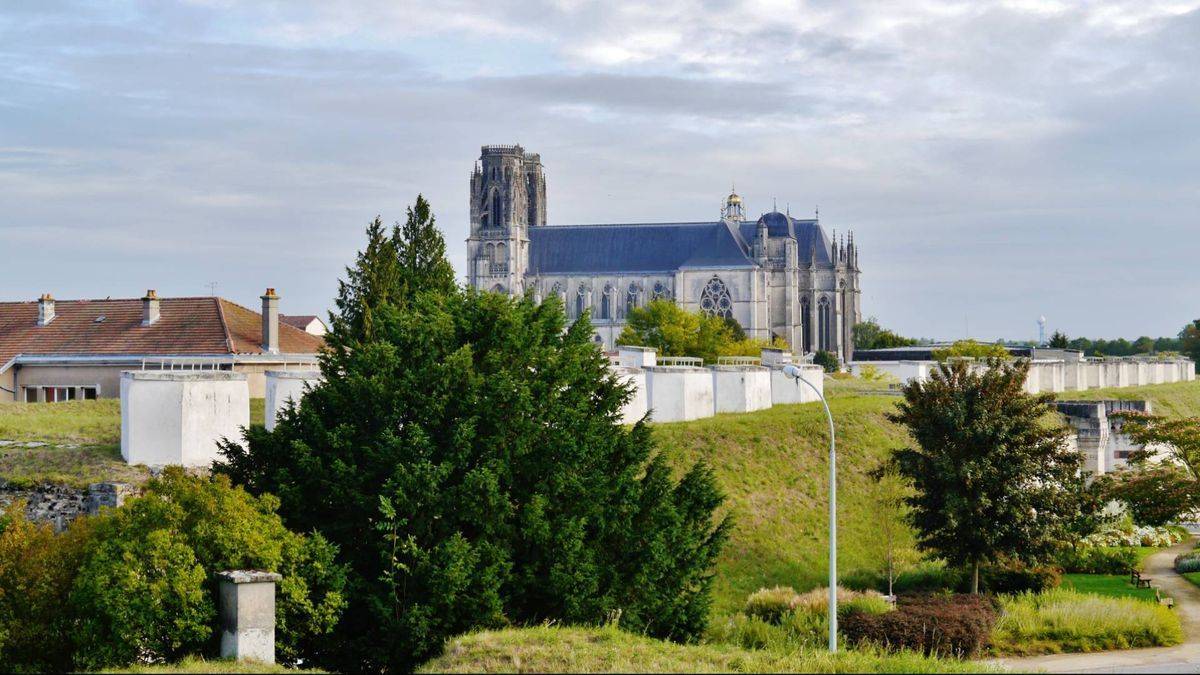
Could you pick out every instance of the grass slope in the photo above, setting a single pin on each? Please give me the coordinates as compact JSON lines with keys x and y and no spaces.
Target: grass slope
{"x":773,"y":465}
{"x":608,"y":650}
{"x":73,"y":443}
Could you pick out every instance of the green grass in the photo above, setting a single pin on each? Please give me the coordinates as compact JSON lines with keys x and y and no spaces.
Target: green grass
{"x":608,"y":650}
{"x":1193,"y":577}
{"x":82,"y":443}
{"x":1178,"y":399}
{"x":773,"y":466}
{"x":1107,"y":585}
{"x":1062,"y":620}
{"x":193,"y":664}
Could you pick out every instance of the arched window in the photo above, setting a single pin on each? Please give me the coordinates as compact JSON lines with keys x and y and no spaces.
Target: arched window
{"x":823,"y":323}
{"x":496,"y":221}
{"x":501,"y":258}
{"x":805,"y":325}
{"x":660,"y":291}
{"x":490,"y":253}
{"x":632,"y":297}
{"x":715,"y":300}
{"x":606,"y":302}
{"x":498,"y":288}
{"x":581,"y":300}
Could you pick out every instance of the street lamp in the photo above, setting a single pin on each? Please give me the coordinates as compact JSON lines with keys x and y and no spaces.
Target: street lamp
{"x":796,"y":373}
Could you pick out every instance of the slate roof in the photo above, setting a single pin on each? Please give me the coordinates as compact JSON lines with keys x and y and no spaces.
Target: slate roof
{"x":662,"y":247}
{"x":300,"y":321}
{"x":185,"y":326}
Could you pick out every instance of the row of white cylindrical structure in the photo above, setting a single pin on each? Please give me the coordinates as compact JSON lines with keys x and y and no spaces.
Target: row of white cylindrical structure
{"x":677,"y":390}
{"x":1056,"y":375}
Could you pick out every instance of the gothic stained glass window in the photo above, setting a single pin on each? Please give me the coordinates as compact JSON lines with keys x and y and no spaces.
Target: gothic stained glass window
{"x":715,"y":299}
{"x":606,"y":302}
{"x":823,"y":323}
{"x":581,"y":300}
{"x":631,"y":298}
{"x":805,"y":325}
{"x":660,"y":291}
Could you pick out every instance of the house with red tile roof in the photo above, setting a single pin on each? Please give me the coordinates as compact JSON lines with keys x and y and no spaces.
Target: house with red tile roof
{"x":309,"y":323}
{"x":59,"y":350}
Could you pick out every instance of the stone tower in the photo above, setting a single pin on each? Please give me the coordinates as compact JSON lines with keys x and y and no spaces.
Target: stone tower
{"x":508,"y":196}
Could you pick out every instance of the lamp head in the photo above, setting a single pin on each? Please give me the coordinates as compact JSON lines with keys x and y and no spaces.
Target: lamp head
{"x":792,"y":371}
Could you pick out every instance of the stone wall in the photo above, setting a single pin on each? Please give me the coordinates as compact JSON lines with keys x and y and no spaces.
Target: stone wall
{"x":60,"y":504}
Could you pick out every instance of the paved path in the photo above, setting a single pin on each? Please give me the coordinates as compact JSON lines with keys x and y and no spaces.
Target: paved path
{"x":1184,"y":658}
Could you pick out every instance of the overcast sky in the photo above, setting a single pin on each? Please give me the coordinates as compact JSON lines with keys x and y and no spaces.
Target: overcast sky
{"x":996,"y":160}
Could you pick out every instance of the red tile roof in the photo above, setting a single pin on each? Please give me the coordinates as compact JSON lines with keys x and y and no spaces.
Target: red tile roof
{"x":185,"y":326}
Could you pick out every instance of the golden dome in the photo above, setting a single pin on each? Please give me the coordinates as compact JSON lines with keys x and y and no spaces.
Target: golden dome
{"x":734,"y":199}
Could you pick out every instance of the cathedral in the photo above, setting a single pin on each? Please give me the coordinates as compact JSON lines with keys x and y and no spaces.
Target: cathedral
{"x":778,"y":276}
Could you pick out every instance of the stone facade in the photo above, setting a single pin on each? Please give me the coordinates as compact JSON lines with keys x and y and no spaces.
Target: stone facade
{"x":778,"y":276}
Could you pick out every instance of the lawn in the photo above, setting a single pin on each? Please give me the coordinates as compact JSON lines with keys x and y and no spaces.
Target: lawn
{"x":1178,"y":399}
{"x":73,"y":443}
{"x":1107,"y":585}
{"x":608,"y":650}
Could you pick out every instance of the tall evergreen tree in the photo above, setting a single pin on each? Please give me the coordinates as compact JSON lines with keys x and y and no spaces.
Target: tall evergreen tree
{"x":373,"y":281}
{"x":991,"y":475}
{"x":422,"y":252}
{"x":468,"y":458}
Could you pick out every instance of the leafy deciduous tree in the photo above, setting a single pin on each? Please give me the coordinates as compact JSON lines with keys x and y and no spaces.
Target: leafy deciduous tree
{"x":989,"y":474}
{"x":870,"y":335}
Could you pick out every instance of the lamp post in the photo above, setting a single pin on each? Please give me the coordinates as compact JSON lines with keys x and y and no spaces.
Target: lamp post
{"x":796,"y":373}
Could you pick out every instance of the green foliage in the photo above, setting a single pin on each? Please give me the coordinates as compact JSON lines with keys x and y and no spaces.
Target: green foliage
{"x":827,"y":360}
{"x":779,"y":618}
{"x":971,"y":349}
{"x":37,"y":570}
{"x":772,"y":604}
{"x":1068,"y":621}
{"x":1189,"y":340}
{"x":1089,"y":502}
{"x":550,"y":649}
{"x":989,"y":475}
{"x":146,"y":586}
{"x":870,"y":335}
{"x":1014,"y":576}
{"x":1123,"y":347}
{"x":674,"y":331}
{"x":946,"y":625}
{"x":1059,"y":341}
{"x":1098,"y":560}
{"x":1154,"y":495}
{"x":469,"y":461}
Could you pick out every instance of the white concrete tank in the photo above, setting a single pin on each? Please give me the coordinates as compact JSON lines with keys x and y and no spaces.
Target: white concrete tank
{"x":679,"y":393}
{"x":739,"y":389}
{"x":635,"y":408}
{"x":283,"y":386}
{"x":177,"y":417}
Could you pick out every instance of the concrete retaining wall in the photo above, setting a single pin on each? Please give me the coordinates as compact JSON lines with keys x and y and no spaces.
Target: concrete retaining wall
{"x":176,"y":417}
{"x":635,"y":408}
{"x":283,"y":386}
{"x":679,"y":393}
{"x":786,"y":390}
{"x":741,"y":388}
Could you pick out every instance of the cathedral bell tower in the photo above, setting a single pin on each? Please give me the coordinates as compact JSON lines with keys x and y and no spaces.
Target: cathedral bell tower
{"x":508,"y":196}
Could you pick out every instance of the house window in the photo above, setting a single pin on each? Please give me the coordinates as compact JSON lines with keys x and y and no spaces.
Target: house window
{"x":58,"y":394}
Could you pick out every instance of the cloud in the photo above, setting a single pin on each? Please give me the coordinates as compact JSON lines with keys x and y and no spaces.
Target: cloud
{"x":997,"y":160}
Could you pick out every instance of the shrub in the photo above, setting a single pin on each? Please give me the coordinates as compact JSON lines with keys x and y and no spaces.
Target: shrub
{"x":1130,"y":535}
{"x":772,"y":604}
{"x":146,"y":587}
{"x":1188,"y":562}
{"x":1016,"y":577}
{"x":1098,"y":560}
{"x":929,"y":577}
{"x":944,"y":625}
{"x":37,"y":570}
{"x":827,"y":360}
{"x":1066,"y":621}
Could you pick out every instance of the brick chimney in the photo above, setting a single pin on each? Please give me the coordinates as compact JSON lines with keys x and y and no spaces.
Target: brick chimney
{"x":150,"y":308}
{"x":45,"y":309}
{"x":270,"y":322}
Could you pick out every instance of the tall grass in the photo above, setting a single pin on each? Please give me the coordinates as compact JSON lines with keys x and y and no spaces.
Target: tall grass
{"x":1066,"y":621}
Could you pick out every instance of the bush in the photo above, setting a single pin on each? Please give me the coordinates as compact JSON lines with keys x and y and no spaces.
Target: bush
{"x":146,"y":588}
{"x":1067,"y":621}
{"x":772,"y":604}
{"x":1098,"y":560}
{"x":1140,"y":535}
{"x":1188,"y":562}
{"x":942,"y":625}
{"x":37,"y":570}
{"x":929,"y":577}
{"x":1016,"y":577}
{"x":827,"y":360}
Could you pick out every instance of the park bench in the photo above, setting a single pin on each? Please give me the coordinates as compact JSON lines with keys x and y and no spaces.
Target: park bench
{"x":1139,"y":581}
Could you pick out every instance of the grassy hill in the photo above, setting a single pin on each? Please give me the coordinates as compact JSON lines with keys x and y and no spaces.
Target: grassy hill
{"x":773,"y":466}
{"x":607,"y":650}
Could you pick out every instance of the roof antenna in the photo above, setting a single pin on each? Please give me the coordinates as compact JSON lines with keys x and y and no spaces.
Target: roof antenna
{"x":212,"y":288}
{"x":774,"y":205}
{"x":818,"y":211}
{"x":788,"y":207}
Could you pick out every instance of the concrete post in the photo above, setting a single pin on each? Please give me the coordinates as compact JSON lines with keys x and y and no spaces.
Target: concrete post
{"x":247,"y":600}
